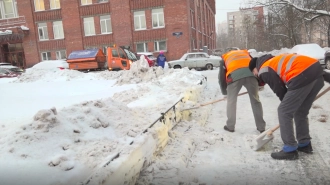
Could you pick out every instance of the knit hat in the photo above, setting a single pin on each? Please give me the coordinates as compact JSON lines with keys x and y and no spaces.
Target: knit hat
{"x":161,"y":52}
{"x":253,"y":63}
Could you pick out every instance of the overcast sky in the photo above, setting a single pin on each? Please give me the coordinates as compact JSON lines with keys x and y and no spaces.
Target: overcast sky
{"x":222,"y":7}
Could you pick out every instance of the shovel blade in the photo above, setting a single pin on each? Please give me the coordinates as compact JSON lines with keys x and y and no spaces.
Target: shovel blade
{"x":263,"y":139}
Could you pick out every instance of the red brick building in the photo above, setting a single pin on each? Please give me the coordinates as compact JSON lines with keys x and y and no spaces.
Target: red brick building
{"x":35,"y":30}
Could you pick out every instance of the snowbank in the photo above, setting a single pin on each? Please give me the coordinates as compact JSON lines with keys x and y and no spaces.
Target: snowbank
{"x":70,"y":143}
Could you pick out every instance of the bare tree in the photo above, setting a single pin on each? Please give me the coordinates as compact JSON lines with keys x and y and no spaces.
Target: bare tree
{"x":313,"y":12}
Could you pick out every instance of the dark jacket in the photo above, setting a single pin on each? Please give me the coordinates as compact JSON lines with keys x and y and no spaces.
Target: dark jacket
{"x":278,"y":86}
{"x":234,"y":76}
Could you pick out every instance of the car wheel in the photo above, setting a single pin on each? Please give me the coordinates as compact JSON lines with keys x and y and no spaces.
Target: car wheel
{"x":209,"y":66}
{"x":327,"y":63}
{"x":177,"y":67}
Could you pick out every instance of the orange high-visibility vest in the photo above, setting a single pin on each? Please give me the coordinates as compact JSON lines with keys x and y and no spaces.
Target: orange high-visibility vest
{"x":236,"y":59}
{"x":288,"y":66}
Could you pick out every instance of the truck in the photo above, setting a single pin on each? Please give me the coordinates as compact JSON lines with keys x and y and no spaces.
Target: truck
{"x":115,"y":58}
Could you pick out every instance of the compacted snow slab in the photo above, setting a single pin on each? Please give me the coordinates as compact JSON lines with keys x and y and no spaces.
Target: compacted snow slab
{"x":125,"y":166}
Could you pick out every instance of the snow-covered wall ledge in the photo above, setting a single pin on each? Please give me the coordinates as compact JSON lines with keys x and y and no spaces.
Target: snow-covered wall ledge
{"x":125,"y":167}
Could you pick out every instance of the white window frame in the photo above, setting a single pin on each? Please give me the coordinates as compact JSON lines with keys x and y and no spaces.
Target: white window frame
{"x":58,"y":30}
{"x":106,"y":20}
{"x":44,"y":30}
{"x":55,"y":4}
{"x":86,"y":2}
{"x":44,"y":56}
{"x":145,"y":47}
{"x":38,"y":6}
{"x":89,"y":26}
{"x":158,"y":18}
{"x":6,"y":15}
{"x":192,"y":14}
{"x":140,"y":20}
{"x":156,"y":45}
{"x":60,"y":55}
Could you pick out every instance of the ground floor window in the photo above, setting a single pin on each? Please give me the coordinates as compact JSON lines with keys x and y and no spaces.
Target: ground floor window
{"x":45,"y":56}
{"x":160,"y":46}
{"x":60,"y":55}
{"x":142,"y":47}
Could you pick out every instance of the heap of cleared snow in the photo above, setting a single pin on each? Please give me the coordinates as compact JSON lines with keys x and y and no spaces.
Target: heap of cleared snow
{"x":81,"y":137}
{"x":42,"y":75}
{"x":139,"y":72}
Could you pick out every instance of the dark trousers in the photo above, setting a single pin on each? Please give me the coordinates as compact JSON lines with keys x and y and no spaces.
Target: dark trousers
{"x":295,"y":106}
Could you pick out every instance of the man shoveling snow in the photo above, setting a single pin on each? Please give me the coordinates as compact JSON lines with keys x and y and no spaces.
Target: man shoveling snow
{"x":296,"y":80}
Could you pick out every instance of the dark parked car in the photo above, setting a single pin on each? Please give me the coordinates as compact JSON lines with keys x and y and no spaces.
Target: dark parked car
{"x":6,"y":73}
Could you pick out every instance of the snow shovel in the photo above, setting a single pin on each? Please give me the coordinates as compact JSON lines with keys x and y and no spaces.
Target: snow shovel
{"x":267,"y":135}
{"x":201,"y":105}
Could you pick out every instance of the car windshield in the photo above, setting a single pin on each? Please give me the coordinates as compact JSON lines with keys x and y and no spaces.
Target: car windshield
{"x":130,"y":55}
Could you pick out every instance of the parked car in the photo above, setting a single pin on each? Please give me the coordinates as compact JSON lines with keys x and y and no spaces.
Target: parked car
{"x":5,"y":73}
{"x":310,"y":50}
{"x":51,"y":64}
{"x":196,"y":60}
{"x":14,"y":69}
{"x":148,"y":55}
{"x":230,"y":49}
{"x":327,"y":59}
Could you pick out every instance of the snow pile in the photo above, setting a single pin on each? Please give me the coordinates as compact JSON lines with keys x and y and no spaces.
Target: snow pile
{"x":42,"y":75}
{"x":69,"y":143}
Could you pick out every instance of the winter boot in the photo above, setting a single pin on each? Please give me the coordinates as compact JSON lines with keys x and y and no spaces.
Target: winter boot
{"x":226,"y":128}
{"x":281,"y":155}
{"x":306,"y":149}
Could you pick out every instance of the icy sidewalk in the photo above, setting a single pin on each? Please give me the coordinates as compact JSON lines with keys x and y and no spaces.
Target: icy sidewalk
{"x":207,"y":154}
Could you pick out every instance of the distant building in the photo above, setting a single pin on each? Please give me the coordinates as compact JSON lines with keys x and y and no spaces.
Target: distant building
{"x":33,"y":31}
{"x":245,"y":27}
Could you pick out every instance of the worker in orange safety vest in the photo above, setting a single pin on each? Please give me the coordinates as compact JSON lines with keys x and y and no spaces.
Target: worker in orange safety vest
{"x":234,"y":73}
{"x":296,"y":80}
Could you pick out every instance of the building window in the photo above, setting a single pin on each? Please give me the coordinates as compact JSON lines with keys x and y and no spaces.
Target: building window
{"x":160,"y":46}
{"x":158,"y":18}
{"x":8,"y":9}
{"x":39,"y":5}
{"x":139,"y":20}
{"x":89,"y":27}
{"x":58,"y":30}
{"x":102,"y":1}
{"x":55,"y":4}
{"x":86,"y":2}
{"x":43,"y":33}
{"x":192,"y":17}
{"x":142,"y":47}
{"x":60,"y":55}
{"x":105,"y":22}
{"x":45,"y":56}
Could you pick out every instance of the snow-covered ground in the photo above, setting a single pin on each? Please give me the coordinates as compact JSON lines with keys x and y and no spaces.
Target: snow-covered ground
{"x":66,"y":127}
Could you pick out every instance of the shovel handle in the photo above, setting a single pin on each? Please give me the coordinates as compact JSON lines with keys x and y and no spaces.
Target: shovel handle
{"x":322,"y":93}
{"x":221,"y":99}
{"x":270,"y":132}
